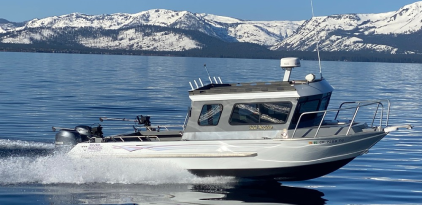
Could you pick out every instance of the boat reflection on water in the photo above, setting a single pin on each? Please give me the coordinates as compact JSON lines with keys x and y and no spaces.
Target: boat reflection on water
{"x":263,"y":192}
{"x":255,"y":192}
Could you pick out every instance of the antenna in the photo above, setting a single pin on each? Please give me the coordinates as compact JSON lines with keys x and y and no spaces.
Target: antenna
{"x":209,"y":77}
{"x":317,"y":45}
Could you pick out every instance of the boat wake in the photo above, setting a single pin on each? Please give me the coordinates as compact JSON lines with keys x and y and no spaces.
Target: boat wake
{"x":24,"y":148}
{"x":18,"y":144}
{"x":24,"y":162}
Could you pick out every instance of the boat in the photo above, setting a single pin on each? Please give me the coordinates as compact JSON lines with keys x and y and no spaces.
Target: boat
{"x":261,"y":130}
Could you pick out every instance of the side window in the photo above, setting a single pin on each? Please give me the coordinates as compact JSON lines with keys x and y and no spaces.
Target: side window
{"x":324,"y":102}
{"x":309,"y":104}
{"x":260,"y":113}
{"x":210,"y":114}
{"x":306,"y":104}
{"x":275,"y":112}
{"x":245,"y":114}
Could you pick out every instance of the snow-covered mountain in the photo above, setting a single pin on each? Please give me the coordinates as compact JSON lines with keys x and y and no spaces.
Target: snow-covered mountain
{"x":166,"y":30}
{"x":357,"y":32}
{"x":6,"y":26}
{"x":266,"y":33}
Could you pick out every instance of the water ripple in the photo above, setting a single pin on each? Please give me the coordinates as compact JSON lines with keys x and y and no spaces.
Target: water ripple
{"x":69,"y":90}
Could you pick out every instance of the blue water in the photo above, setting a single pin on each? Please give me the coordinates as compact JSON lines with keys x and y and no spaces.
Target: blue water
{"x":38,"y":91}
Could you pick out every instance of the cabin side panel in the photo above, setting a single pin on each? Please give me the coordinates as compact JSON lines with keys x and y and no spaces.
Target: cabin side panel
{"x":239,"y":119}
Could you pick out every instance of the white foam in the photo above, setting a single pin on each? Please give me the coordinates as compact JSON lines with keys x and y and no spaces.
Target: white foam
{"x":18,"y":144}
{"x":60,"y":168}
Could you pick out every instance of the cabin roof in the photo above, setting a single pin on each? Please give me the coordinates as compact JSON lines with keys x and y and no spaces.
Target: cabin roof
{"x":254,"y":87}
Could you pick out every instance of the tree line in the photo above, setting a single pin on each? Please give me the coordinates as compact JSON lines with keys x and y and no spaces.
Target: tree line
{"x":65,"y":41}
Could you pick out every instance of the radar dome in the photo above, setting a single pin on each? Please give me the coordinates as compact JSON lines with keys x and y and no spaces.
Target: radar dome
{"x":290,"y":62}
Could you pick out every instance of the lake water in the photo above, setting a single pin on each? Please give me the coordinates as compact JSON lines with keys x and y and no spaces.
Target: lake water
{"x":38,"y":91}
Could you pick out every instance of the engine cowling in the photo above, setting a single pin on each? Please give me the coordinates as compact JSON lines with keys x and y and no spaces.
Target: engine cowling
{"x":66,"y":139}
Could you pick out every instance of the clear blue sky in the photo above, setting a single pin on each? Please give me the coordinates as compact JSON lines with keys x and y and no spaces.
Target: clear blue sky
{"x":22,"y":10}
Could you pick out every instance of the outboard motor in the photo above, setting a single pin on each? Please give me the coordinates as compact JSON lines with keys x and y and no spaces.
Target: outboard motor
{"x":66,"y":139}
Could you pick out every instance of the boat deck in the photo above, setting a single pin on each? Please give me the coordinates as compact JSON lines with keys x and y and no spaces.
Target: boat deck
{"x":146,"y":136}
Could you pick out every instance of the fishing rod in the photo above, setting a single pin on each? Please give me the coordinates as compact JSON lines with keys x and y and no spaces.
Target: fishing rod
{"x":116,"y":119}
{"x":139,"y":119}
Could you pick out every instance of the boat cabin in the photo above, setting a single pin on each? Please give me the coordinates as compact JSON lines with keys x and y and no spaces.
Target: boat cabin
{"x":256,"y":110}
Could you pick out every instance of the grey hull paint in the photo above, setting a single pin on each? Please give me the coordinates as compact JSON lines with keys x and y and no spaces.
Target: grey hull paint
{"x":298,"y":173}
{"x":244,"y":158}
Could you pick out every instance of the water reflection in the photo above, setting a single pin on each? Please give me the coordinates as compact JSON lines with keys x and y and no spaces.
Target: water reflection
{"x":263,"y":192}
{"x":255,"y":192}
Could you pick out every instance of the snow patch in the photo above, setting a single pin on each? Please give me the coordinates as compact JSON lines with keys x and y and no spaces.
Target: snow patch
{"x":27,"y":37}
{"x":132,"y":40}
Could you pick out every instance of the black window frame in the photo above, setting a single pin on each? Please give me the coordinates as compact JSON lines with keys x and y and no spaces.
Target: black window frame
{"x":218,"y":121}
{"x":260,"y":123}
{"x":310,"y":119}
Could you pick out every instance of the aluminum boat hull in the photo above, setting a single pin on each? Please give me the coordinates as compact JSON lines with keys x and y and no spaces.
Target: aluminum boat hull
{"x":286,"y":159}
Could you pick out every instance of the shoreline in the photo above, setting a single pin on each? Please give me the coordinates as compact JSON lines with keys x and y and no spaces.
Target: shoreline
{"x":204,"y":53}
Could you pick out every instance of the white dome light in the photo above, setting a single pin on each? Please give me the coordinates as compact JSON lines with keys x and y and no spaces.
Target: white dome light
{"x":310,"y":77}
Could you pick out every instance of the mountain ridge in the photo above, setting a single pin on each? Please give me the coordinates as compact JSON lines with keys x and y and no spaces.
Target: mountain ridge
{"x":348,"y":32}
{"x":386,"y":33}
{"x":226,"y":28}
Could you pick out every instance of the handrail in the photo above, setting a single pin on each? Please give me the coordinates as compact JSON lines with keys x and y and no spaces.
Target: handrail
{"x":358,"y":105}
{"x":353,"y":119}
{"x":158,"y":127}
{"x":375,"y":114}
{"x":370,"y":102}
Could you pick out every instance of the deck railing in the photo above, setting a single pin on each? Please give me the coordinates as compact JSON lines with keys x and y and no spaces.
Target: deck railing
{"x":357,"y":106}
{"x":159,"y":127}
